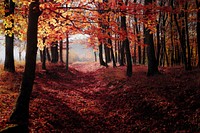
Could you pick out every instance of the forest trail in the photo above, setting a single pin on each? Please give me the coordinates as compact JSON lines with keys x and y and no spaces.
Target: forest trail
{"x":90,"y":98}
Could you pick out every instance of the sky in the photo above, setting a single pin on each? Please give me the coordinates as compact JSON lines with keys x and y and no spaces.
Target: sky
{"x":81,"y":50}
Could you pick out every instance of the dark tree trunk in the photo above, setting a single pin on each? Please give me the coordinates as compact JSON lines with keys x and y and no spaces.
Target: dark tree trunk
{"x":127,"y":47}
{"x":61,"y":51}
{"x":198,"y":31}
{"x":67,"y":52}
{"x":119,"y":51}
{"x":54,"y":52}
{"x":112,"y":53}
{"x":44,"y":56}
{"x":138,"y":40}
{"x":181,"y":32}
{"x":44,"y":59}
{"x":116,"y":55}
{"x":21,"y":111}
{"x":158,"y":43}
{"x":144,"y":55}
{"x":48,"y":54}
{"x":172,"y":42}
{"x":187,"y":38}
{"x":41,"y":55}
{"x":9,"y":53}
{"x":134,"y":55}
{"x":107,"y":54}
{"x":101,"y":56}
{"x":95,"y":56}
{"x":20,"y":55}
{"x":152,"y":64}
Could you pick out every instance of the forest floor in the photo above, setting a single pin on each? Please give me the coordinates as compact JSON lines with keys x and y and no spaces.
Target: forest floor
{"x":89,"y":98}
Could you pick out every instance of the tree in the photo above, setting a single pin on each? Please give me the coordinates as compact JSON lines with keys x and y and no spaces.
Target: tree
{"x":61,"y":53}
{"x":198,"y":30}
{"x":67,"y":51}
{"x":126,"y":43}
{"x":9,"y":57}
{"x":152,"y":65}
{"x":20,"y":114}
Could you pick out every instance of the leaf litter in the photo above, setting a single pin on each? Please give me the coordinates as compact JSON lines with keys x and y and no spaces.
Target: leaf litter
{"x":100,"y":99}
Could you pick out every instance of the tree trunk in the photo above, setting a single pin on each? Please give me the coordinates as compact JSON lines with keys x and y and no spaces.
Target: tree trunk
{"x":144,"y":55}
{"x":101,"y":55}
{"x":61,"y":51}
{"x":181,"y":32}
{"x":127,"y":47}
{"x":48,"y":54}
{"x":187,"y":38}
{"x":44,"y":59}
{"x":67,"y":52}
{"x":198,"y":31}
{"x":44,"y":56}
{"x":41,"y":55}
{"x":171,"y":38}
{"x":112,"y":53}
{"x":158,"y":43}
{"x":152,"y":64}
{"x":54,"y":52}
{"x":21,"y":111}
{"x":9,"y":53}
{"x":95,"y":56}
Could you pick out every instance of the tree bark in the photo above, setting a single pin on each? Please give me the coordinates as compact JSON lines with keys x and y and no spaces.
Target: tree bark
{"x":127,"y":47}
{"x":112,"y":52}
{"x":198,"y":31}
{"x":48,"y":54}
{"x":189,"y":67}
{"x":44,"y":56}
{"x":54,"y":52}
{"x":101,"y":55}
{"x":61,"y":52}
{"x":9,"y":39}
{"x":152,"y":64}
{"x":20,"y":114}
{"x":67,"y":51}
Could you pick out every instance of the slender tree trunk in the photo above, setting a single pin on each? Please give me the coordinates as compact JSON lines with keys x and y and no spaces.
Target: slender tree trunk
{"x":21,"y":111}
{"x":172,"y":42}
{"x":144,"y":55}
{"x":119,"y":52}
{"x":134,"y":54}
{"x":138,"y":40}
{"x":44,"y":59}
{"x":67,"y":51}
{"x":20,"y":55}
{"x":54,"y":52}
{"x":127,"y":47}
{"x":61,"y":51}
{"x":48,"y":54}
{"x":158,"y":43}
{"x":41,"y":55}
{"x":198,"y":31}
{"x":112,"y":53}
{"x":116,"y":55}
{"x":101,"y":55}
{"x":9,"y":53}
{"x":181,"y":32}
{"x":95,"y":56}
{"x":187,"y":38}
{"x":44,"y":56}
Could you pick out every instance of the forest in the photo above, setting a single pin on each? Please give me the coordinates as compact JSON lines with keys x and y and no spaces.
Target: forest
{"x":145,"y":76}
